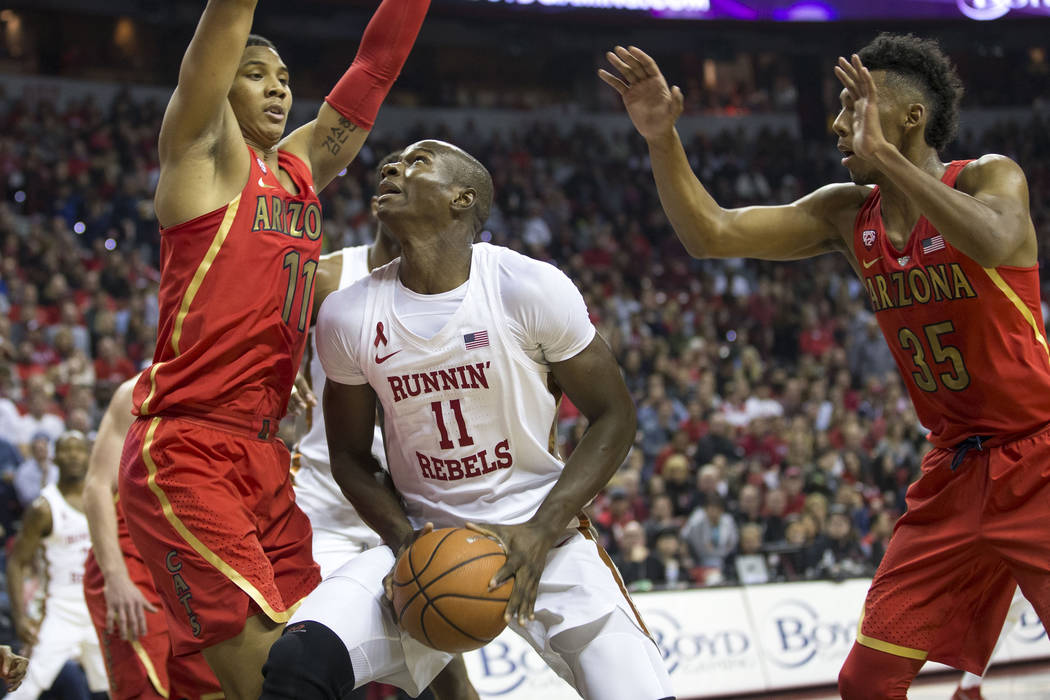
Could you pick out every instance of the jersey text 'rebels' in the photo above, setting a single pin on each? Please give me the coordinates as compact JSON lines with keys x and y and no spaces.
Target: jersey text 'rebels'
{"x":235,"y":299}
{"x":969,"y":341}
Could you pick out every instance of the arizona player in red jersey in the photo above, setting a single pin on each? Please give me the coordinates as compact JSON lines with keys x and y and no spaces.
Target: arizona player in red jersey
{"x":947,"y":253}
{"x":204,"y":483}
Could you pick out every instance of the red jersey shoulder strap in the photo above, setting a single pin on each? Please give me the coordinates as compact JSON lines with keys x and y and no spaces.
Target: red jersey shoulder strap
{"x":951,"y":173}
{"x":297,"y":168}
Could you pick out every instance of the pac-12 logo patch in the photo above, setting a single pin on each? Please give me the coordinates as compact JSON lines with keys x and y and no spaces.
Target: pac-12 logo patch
{"x":868,"y":238}
{"x":261,"y":164}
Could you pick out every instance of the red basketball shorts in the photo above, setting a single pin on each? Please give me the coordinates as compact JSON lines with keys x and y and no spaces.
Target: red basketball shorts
{"x":145,"y":668}
{"x":213,"y":514}
{"x":945,"y":584}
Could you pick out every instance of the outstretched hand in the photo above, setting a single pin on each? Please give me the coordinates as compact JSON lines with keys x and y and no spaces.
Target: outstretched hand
{"x":867,"y":131}
{"x":653,"y":107}
{"x":526,"y":546}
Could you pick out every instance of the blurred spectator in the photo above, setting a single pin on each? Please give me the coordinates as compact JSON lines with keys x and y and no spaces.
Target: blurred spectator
{"x":749,"y":564}
{"x":37,"y":471}
{"x":837,"y":554}
{"x":638,"y":567}
{"x":711,"y":535}
{"x":39,"y":418}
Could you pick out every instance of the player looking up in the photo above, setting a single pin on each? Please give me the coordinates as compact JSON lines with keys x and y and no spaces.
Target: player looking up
{"x":204,"y":482}
{"x":491,"y":328}
{"x":947,"y":254}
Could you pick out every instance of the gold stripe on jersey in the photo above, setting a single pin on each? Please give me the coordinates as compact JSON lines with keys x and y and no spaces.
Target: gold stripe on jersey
{"x":151,"y":672}
{"x":199,"y":547}
{"x":202,"y":270}
{"x":887,"y":647}
{"x":1006,"y":289}
{"x":213,"y":696}
{"x":191,"y":292}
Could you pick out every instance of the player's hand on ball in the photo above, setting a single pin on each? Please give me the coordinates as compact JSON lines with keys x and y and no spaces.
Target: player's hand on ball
{"x":652,"y":106}
{"x":12,"y":667}
{"x":526,"y":546}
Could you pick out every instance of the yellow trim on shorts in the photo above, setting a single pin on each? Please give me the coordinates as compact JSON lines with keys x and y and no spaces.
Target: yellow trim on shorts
{"x":213,"y":696}
{"x":1006,"y":289}
{"x":191,"y":293}
{"x":879,"y":645}
{"x":199,"y":547}
{"x":151,"y":672}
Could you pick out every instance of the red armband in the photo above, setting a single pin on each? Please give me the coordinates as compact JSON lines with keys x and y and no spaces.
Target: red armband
{"x":385,"y":46}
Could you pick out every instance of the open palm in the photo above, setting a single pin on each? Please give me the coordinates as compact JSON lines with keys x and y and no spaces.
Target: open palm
{"x":867,"y":131}
{"x":652,"y":106}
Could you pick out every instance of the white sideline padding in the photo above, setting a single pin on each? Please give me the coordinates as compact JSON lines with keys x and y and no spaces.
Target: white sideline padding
{"x":723,"y":641}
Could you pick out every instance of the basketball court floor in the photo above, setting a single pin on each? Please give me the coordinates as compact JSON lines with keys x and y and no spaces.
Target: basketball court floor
{"x":1016,"y":682}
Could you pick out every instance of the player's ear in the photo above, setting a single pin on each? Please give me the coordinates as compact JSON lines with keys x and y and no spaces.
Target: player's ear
{"x":464,"y":200}
{"x":914,"y":115}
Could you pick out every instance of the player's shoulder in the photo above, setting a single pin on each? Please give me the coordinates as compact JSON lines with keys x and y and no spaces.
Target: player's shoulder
{"x":990,"y":169}
{"x":511,"y":261}
{"x":839,"y":196}
{"x":37,"y":518}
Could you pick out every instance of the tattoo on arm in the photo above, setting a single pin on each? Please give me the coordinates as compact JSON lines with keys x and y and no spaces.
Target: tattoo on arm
{"x":338,"y":135}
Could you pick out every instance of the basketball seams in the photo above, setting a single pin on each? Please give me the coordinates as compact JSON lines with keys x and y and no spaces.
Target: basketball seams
{"x":422,"y":590}
{"x":448,"y":622}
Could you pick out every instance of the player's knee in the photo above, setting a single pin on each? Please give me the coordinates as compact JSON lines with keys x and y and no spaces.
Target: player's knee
{"x":309,"y":662}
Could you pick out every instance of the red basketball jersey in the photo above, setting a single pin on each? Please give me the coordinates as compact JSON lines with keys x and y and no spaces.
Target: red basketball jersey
{"x":968,"y":340}
{"x":236,"y":293}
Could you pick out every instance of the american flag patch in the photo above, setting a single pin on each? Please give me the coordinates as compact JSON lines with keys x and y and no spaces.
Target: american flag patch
{"x":477,"y":339}
{"x":934,"y":243}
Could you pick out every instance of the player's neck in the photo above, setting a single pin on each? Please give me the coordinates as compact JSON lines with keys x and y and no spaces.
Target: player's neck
{"x":382,"y":251}
{"x":69,"y":487}
{"x":435,"y":265}
{"x":268,"y":154}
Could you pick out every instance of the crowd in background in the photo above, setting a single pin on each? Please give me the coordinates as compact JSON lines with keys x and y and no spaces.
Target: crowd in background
{"x":775,"y":438}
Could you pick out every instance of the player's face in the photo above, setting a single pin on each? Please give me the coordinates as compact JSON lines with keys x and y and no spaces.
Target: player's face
{"x":861,"y":172}
{"x":260,"y":96}
{"x":71,"y":456}
{"x":419,"y":184}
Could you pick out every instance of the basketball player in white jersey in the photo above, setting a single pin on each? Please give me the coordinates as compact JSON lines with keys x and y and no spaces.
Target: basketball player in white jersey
{"x":56,"y":524}
{"x":339,"y":533}
{"x":459,"y":342}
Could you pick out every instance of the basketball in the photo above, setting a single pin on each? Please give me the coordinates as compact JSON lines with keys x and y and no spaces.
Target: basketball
{"x":440,"y":590}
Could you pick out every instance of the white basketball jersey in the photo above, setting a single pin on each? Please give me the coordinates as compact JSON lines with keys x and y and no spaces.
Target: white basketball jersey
{"x":315,"y":487}
{"x":65,"y":549}
{"x":467,"y":413}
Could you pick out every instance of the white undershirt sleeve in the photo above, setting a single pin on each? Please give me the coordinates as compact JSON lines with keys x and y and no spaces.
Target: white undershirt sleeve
{"x":545,"y":310}
{"x":338,"y":333}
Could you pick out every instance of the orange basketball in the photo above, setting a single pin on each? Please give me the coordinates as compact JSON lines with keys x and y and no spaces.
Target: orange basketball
{"x":441,"y":594}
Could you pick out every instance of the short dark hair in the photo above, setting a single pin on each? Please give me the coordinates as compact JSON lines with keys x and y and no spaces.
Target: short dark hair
{"x":470,"y":172}
{"x":921,"y":64}
{"x":257,"y":40}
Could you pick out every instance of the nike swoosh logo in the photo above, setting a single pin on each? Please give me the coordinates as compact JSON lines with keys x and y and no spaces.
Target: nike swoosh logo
{"x":384,"y":358}
{"x":869,"y":263}
{"x":263,"y":184}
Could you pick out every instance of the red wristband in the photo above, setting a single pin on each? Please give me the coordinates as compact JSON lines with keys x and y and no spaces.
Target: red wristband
{"x":385,"y":46}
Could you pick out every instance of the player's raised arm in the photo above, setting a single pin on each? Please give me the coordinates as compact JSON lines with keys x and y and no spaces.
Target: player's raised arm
{"x":807,"y":227}
{"x":199,"y":109}
{"x":331,"y":141}
{"x":125,"y":605}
